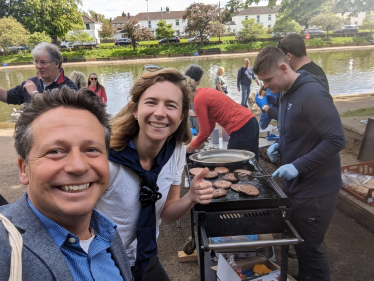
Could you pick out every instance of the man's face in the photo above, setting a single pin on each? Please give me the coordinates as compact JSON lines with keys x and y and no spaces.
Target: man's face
{"x":48,"y":70}
{"x":67,"y":169}
{"x":275,"y":79}
{"x":246,"y":63}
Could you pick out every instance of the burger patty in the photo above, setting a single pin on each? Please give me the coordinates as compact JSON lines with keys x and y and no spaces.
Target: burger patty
{"x":243,"y":171}
{"x":221,"y":170}
{"x":246,"y":188}
{"x":222,"y":184}
{"x":196,"y":171}
{"x":211,"y":175}
{"x":230,"y":177}
{"x":219,"y":192}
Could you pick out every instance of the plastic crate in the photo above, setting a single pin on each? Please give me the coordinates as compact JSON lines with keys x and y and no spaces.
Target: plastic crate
{"x":364,"y":168}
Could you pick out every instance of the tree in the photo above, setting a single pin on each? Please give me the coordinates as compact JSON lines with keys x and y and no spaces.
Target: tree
{"x":283,"y":28}
{"x":199,"y":16}
{"x":368,"y":23}
{"x":300,"y":11}
{"x":92,"y":14}
{"x":251,"y":30}
{"x":38,"y":37}
{"x":164,"y":30}
{"x":106,"y":31}
{"x":217,"y":29}
{"x":354,"y":6}
{"x":235,"y":6}
{"x":79,"y":36}
{"x":328,"y":21}
{"x":12,"y":33}
{"x":55,"y":17}
{"x":136,"y":32}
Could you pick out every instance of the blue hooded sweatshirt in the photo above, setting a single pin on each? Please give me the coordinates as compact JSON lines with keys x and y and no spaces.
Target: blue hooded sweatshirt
{"x":311,"y":137}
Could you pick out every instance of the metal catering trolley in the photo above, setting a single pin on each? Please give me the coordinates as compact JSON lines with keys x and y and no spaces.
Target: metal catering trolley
{"x":238,"y":213}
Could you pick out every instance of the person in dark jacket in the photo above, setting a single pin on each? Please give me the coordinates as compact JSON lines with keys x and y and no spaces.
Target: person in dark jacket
{"x":293,"y":46}
{"x":244,"y":80}
{"x":48,"y":61}
{"x":311,"y":137}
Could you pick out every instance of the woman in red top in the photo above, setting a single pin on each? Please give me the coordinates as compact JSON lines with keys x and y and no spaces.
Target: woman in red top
{"x":213,"y":106}
{"x":96,"y":87}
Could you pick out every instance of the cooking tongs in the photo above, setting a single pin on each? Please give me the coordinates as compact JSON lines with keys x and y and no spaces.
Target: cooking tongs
{"x":245,"y":177}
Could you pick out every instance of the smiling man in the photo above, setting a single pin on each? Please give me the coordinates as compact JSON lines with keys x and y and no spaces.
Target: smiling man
{"x":48,"y":61}
{"x":62,"y":139}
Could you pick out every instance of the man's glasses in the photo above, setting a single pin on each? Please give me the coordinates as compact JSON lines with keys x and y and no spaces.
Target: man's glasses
{"x":285,"y":51}
{"x":93,"y":79}
{"x":153,"y":68}
{"x":42,"y":63}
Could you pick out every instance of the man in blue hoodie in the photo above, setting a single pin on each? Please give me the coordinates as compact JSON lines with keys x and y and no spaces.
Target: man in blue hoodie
{"x":311,"y":137}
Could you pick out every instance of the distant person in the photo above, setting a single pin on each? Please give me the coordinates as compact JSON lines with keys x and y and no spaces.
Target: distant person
{"x":310,"y":139}
{"x":293,"y":46}
{"x":266,"y":94}
{"x":48,"y":61}
{"x":220,"y":82}
{"x":96,"y":87}
{"x":79,"y":79}
{"x":62,"y":140}
{"x":211,"y":107}
{"x":244,"y":80}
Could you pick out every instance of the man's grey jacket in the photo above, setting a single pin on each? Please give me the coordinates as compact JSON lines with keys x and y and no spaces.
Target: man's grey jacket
{"x":41,"y":257}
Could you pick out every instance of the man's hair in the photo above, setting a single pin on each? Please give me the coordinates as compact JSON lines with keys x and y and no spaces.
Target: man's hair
{"x":65,"y":97}
{"x":267,"y":58}
{"x":52,"y":51}
{"x":195,"y":72}
{"x":294,"y":44}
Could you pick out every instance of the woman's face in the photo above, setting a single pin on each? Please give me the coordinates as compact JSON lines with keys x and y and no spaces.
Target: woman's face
{"x":93,"y":79}
{"x":159,"y":111}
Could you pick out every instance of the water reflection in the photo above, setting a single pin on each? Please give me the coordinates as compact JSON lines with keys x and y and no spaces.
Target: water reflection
{"x":348,"y":72}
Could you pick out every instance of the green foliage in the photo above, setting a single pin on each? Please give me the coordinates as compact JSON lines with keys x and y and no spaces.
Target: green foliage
{"x":12,"y":33}
{"x":164,"y":30}
{"x":283,"y":27}
{"x":269,"y":31}
{"x":358,"y":112}
{"x":92,"y":14}
{"x":368,"y":23}
{"x":38,"y":37}
{"x":358,"y":39}
{"x":55,"y":17}
{"x":328,"y":21}
{"x":106,"y":31}
{"x":251,"y":30}
{"x":79,"y":36}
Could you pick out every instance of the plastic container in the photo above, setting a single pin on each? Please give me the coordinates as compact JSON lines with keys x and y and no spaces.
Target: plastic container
{"x":215,"y":136}
{"x":225,"y":136}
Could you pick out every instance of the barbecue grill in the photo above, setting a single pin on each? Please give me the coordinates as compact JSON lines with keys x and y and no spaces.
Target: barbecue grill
{"x":241,"y":214}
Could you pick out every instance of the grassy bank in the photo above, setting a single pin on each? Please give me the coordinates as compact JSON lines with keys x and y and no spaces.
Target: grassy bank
{"x":107,"y":50}
{"x":358,"y":112}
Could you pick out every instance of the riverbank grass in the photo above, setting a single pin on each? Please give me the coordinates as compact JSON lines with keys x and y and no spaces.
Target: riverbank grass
{"x":358,"y":112}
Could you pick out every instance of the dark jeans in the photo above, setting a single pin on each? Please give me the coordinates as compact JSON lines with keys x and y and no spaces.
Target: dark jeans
{"x":155,"y":271}
{"x":311,"y":218}
{"x":246,"y":138}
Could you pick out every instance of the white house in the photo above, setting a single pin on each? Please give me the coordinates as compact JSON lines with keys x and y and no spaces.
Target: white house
{"x":151,"y":19}
{"x":92,"y":27}
{"x":356,"y":19}
{"x":261,"y":14}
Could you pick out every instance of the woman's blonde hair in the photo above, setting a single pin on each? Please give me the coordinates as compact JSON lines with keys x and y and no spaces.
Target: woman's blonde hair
{"x":220,"y":70}
{"x":124,"y":125}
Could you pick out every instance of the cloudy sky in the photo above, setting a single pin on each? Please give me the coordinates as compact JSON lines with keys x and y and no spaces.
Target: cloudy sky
{"x":113,"y":8}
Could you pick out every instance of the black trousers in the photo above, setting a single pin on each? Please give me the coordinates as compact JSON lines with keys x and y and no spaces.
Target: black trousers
{"x":246,"y":138}
{"x":311,"y":218}
{"x":155,"y":271}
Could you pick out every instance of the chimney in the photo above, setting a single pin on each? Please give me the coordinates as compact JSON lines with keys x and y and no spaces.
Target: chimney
{"x":167,"y":9}
{"x":128,"y":15}
{"x":96,"y":18}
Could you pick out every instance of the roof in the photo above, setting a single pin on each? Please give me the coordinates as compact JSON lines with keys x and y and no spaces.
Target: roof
{"x":88,"y":20}
{"x":120,"y":19}
{"x":231,"y":23}
{"x":157,"y":15}
{"x":259,"y":10}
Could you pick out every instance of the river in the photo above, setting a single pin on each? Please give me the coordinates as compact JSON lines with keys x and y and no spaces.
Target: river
{"x":348,"y":72}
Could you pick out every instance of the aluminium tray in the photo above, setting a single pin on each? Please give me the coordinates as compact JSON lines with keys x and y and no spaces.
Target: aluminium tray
{"x":222,"y":157}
